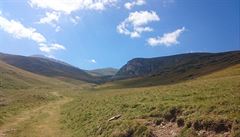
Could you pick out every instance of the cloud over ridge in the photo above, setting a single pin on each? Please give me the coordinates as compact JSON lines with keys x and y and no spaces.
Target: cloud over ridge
{"x":168,"y":39}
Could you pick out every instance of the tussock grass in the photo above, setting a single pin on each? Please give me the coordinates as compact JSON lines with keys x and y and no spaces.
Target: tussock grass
{"x":21,"y":90}
{"x":12,"y":102}
{"x":210,"y":99}
{"x":202,"y":103}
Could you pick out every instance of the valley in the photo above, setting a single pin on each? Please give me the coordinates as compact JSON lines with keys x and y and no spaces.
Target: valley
{"x":201,"y":101}
{"x":204,"y":104}
{"x":119,"y":68}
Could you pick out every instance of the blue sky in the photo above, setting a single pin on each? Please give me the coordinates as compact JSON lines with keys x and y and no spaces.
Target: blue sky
{"x":107,"y":33}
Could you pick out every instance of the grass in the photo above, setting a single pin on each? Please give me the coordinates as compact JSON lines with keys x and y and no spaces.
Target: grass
{"x":38,"y":121}
{"x":209,"y":99}
{"x":21,"y":90}
{"x":13,"y":102}
{"x":202,"y":103}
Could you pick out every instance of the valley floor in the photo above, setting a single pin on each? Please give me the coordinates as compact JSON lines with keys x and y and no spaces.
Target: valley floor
{"x":206,"y":106}
{"x":42,"y":121}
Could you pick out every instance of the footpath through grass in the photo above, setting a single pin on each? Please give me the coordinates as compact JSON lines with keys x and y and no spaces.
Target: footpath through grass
{"x":36,"y":119}
{"x":12,"y":102}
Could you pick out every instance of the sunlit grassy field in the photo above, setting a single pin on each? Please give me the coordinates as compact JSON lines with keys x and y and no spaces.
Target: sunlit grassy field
{"x":46,"y":106}
{"x":21,"y":90}
{"x":210,"y":102}
{"x":15,"y":101}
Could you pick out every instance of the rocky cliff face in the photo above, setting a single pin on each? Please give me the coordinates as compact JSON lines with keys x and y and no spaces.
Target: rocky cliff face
{"x":178,"y":63}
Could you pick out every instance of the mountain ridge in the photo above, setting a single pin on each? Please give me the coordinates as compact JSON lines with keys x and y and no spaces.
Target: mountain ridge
{"x":138,"y":70}
{"x":141,"y":72}
{"x":148,"y":66}
{"x":47,"y":67}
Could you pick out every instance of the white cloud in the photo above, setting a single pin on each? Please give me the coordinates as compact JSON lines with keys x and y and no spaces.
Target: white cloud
{"x":167,"y":39}
{"x":93,"y":61}
{"x":142,"y":17}
{"x":130,"y":5}
{"x":69,"y":6}
{"x":137,"y":22}
{"x":58,"y":28}
{"x":50,"y":18}
{"x":19,"y":31}
{"x":51,"y":47}
{"x":75,"y":20}
{"x":65,"y":7}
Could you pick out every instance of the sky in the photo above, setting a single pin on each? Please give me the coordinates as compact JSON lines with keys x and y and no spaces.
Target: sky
{"x":94,"y":34}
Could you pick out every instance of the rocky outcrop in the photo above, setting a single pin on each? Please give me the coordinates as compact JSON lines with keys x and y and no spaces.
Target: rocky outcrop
{"x":177,"y":64}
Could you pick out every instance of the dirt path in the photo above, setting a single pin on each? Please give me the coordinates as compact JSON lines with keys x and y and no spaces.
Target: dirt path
{"x":167,"y":130}
{"x":39,"y":122}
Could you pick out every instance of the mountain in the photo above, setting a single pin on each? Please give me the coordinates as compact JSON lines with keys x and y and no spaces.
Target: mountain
{"x":170,"y":69}
{"x":102,"y":72}
{"x":48,"y":67}
{"x":51,"y":59}
{"x":137,"y":72}
{"x":14,"y":78}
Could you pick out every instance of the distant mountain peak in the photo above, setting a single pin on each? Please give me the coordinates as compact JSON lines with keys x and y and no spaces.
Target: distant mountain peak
{"x":103,"y":71}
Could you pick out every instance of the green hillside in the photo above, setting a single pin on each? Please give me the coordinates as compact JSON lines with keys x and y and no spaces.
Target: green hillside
{"x":209,"y":103}
{"x":15,"y":78}
{"x":180,"y":63}
{"x":33,"y":105}
{"x":21,"y":90}
{"x":48,"y":67}
{"x":172,"y":69}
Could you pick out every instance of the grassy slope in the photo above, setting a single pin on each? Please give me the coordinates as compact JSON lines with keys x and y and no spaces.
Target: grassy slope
{"x":15,"y":78}
{"x":210,"y":98}
{"x":173,"y":69}
{"x":167,"y":78}
{"x":41,"y":121}
{"x":47,"y":67}
{"x":21,"y":90}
